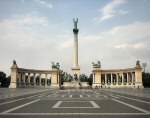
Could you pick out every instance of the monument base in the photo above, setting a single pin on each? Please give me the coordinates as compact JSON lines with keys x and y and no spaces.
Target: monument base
{"x":13,"y":85}
{"x":96,"y":85}
{"x":54,"y":86}
{"x":76,"y":70}
{"x":71,"y":85}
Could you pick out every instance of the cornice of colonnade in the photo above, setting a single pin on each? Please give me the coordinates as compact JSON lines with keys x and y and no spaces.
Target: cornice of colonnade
{"x":23,"y":70}
{"x":103,"y":71}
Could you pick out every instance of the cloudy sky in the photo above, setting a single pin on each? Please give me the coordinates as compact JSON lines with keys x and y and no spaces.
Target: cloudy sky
{"x":37,"y":32}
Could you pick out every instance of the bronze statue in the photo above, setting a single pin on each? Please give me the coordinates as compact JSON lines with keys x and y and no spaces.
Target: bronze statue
{"x":14,"y":62}
{"x":75,"y":23}
{"x":55,"y":66}
{"x":137,"y":63}
{"x":98,"y":65}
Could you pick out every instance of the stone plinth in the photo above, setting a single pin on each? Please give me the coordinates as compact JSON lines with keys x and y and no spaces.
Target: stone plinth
{"x":96,"y":77}
{"x":13,"y":83}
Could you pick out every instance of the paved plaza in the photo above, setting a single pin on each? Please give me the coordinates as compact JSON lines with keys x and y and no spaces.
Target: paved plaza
{"x":54,"y":103}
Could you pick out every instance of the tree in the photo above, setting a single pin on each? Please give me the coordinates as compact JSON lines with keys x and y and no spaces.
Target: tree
{"x":65,"y":77}
{"x":83,"y":78}
{"x":146,"y":79}
{"x":90,"y":79}
{"x":5,"y":81}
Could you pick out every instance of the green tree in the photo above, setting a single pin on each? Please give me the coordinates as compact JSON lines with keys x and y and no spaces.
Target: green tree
{"x":5,"y":81}
{"x":83,"y":78}
{"x":90,"y":79}
{"x":146,"y":79}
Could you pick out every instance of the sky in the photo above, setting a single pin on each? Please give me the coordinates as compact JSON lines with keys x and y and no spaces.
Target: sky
{"x":38,"y":32}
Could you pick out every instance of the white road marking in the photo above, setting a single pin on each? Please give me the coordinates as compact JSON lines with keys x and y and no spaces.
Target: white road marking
{"x":94,"y":104}
{"x":41,"y":96}
{"x":129,"y":98}
{"x":57,"y":104}
{"x":37,"y":95}
{"x":63,"y":96}
{"x":70,"y":96}
{"x":89,"y":96}
{"x":15,"y":108}
{"x":66,"y":114}
{"x":11,"y":101}
{"x":81,"y":96}
{"x":134,"y":107}
{"x":114,"y":96}
{"x":134,"y":99}
{"x":75,"y":101}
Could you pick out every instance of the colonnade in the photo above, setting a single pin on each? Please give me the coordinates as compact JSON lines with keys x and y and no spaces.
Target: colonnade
{"x":33,"y":79}
{"x":131,"y":77}
{"x":127,"y":78}
{"x":21,"y":77}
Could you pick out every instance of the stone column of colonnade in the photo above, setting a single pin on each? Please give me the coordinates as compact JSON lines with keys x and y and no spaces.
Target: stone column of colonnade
{"x":46,"y":77}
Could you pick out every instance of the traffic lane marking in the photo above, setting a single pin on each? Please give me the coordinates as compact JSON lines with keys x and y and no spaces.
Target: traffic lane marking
{"x":129,"y":96}
{"x":135,"y":103}
{"x":76,"y":104}
{"x":42,"y":94}
{"x":13,"y":104}
{"x":20,"y":106}
{"x":11,"y":101}
{"x":132,"y":106}
{"x":134,"y":99}
{"x":107,"y":106}
{"x":22,"y":95}
{"x":81,"y":113}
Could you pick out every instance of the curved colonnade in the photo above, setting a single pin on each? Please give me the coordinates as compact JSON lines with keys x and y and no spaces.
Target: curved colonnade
{"x":130,"y":77}
{"x":21,"y":77}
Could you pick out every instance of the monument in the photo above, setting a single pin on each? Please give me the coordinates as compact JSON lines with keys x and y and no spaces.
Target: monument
{"x":75,"y":68}
{"x":110,"y":78}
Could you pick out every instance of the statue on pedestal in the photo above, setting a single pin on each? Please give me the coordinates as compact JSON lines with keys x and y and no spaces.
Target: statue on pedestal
{"x":55,"y":66}
{"x":75,"y":23}
{"x":98,"y":65}
{"x":14,"y":62}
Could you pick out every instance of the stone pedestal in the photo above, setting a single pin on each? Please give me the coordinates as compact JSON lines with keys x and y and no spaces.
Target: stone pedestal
{"x":55,"y":80}
{"x":96,"y":77}
{"x":76,"y":70}
{"x":13,"y":82}
{"x":138,"y":77}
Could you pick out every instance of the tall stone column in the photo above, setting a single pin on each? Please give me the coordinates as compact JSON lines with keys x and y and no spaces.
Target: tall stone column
{"x":40,"y":84}
{"x":29,"y":79}
{"x":19,"y":78}
{"x":45,"y":80}
{"x":127,"y":78}
{"x":23,"y":78}
{"x":111,"y":78}
{"x":34,"y":79}
{"x":117,"y":78}
{"x":105,"y":79}
{"x":75,"y":68}
{"x":122,"y":83}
